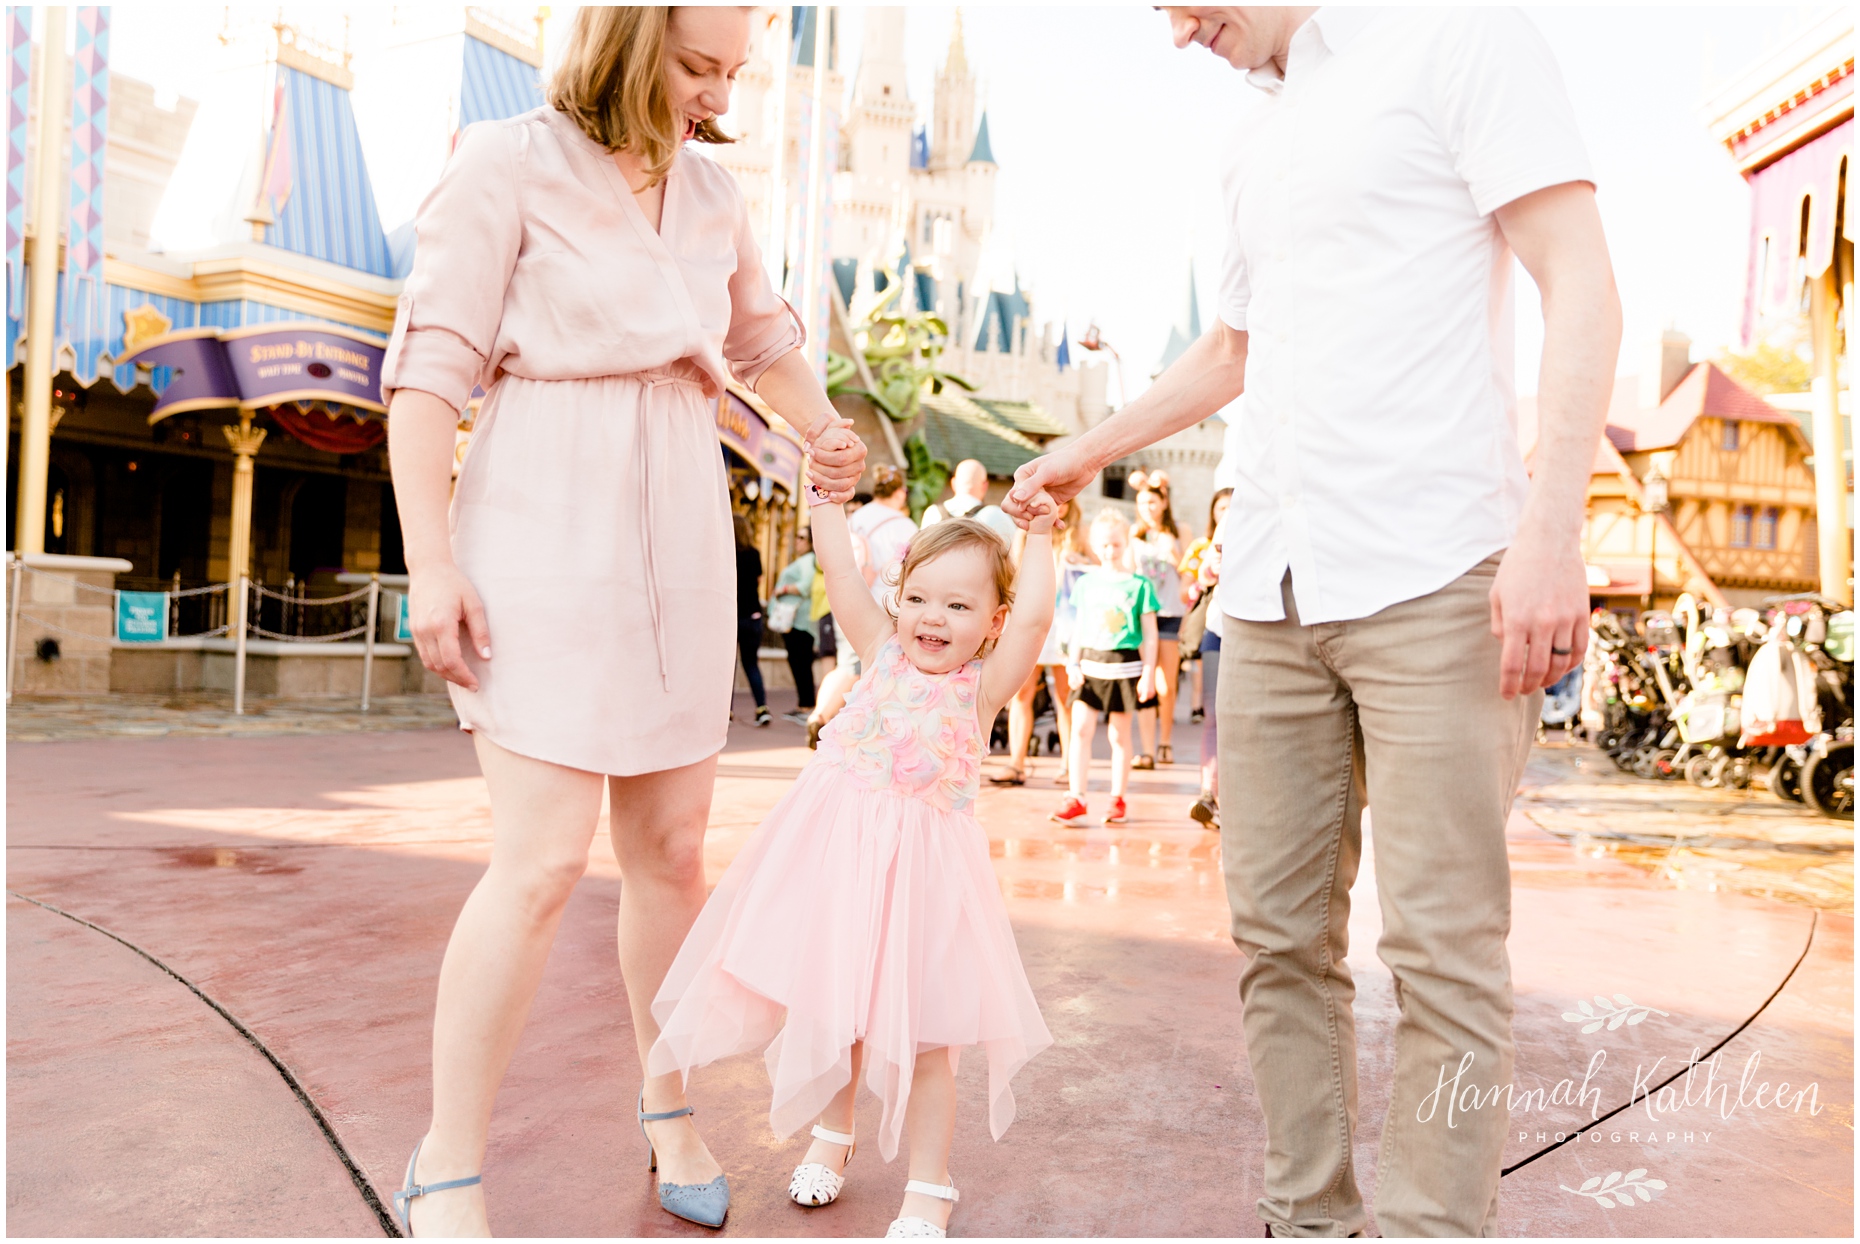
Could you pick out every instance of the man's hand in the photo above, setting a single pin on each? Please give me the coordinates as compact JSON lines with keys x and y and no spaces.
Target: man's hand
{"x":1060,"y":476}
{"x":836,"y":460}
{"x":1540,"y":614}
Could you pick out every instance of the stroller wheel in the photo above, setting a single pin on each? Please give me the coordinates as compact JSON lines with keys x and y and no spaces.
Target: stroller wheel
{"x":1702,"y":772}
{"x":1785,"y":780}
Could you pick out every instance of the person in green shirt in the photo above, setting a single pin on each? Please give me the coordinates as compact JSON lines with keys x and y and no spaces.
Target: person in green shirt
{"x":1112,"y":662}
{"x":795,"y":586}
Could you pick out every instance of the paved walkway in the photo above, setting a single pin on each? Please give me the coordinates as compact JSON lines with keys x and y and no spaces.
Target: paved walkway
{"x":306,"y":884}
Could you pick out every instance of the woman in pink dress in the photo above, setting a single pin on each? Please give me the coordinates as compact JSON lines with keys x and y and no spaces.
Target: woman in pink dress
{"x":600,"y":284}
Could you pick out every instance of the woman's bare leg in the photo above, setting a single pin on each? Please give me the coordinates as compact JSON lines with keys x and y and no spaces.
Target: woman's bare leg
{"x":838,"y":1117}
{"x":543,"y":819}
{"x":1078,"y":761}
{"x":930,"y":1127}
{"x":1020,"y":721}
{"x":1168,"y":664}
{"x":1120,"y":754}
{"x":1062,"y":692}
{"x":657,"y":821}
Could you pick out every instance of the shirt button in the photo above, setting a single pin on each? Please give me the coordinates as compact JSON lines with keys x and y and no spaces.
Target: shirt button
{"x":1279,"y":176}
{"x":1284,"y":419}
{"x":1287,"y":500}
{"x":1278,"y":253}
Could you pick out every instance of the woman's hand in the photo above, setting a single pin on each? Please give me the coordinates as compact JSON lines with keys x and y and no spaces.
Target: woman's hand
{"x":441,"y":601}
{"x":1209,"y":572}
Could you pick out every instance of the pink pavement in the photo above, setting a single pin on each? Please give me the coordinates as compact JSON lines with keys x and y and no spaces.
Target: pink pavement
{"x":308,"y":884}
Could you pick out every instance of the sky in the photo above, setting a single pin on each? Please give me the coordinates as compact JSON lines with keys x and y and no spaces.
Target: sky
{"x":1109,"y":143}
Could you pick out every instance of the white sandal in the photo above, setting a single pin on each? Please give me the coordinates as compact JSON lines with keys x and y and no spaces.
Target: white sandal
{"x":816,"y":1184}
{"x":913,"y":1226}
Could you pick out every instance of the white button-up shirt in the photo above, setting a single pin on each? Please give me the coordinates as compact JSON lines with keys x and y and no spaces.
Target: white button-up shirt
{"x":1376,"y":451}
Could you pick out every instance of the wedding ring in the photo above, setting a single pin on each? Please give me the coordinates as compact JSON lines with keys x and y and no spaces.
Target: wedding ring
{"x":1559,"y":652}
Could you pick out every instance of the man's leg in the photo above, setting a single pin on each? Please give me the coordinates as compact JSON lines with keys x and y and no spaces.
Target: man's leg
{"x":1443,"y":755}
{"x":1291,"y":768}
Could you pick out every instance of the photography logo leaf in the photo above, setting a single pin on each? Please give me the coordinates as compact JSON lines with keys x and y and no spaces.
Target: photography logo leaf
{"x":1618,"y":1189}
{"x":1609,"y":1013}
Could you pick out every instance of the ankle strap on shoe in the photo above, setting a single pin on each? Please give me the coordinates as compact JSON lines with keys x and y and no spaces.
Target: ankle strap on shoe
{"x":646,"y":1116}
{"x":940,"y":1191}
{"x":831,"y":1137}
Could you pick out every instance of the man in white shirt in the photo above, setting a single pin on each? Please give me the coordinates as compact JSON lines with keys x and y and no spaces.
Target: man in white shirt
{"x":970,"y":486}
{"x":1397,"y":591}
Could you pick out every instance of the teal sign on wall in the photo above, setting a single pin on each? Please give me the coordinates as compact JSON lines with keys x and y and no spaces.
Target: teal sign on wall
{"x":403,"y":624}
{"x":141,"y":617}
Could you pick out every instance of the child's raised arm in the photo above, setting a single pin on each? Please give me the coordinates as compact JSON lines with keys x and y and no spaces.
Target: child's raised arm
{"x":1016,"y":653}
{"x":860,"y":618}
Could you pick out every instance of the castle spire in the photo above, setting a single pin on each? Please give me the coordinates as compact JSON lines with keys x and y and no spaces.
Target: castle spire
{"x":957,"y":65}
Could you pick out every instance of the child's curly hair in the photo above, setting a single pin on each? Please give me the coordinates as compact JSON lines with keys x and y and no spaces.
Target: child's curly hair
{"x":950,"y":534}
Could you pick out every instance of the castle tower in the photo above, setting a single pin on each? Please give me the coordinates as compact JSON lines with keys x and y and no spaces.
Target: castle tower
{"x":869,"y":192}
{"x":954,"y":135}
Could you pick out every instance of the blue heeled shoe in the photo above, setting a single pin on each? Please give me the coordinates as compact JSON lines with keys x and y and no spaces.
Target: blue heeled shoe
{"x":403,"y":1200}
{"x":704,"y":1204}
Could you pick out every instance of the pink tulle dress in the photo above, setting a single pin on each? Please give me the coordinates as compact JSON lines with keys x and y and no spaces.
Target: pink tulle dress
{"x":864,"y":908}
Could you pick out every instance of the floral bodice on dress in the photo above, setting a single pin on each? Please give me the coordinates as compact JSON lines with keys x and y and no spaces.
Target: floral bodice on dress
{"x":910,"y":733}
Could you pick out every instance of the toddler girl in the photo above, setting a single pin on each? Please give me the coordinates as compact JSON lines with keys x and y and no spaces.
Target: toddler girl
{"x":1113,"y":655}
{"x":861,"y":927}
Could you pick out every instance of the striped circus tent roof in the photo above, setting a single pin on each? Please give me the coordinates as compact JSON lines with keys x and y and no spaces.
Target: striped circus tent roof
{"x":330,"y":210}
{"x":495,"y":84}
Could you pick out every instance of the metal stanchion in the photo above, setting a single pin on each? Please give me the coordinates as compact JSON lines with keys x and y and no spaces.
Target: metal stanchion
{"x":238,"y":622}
{"x":368,"y":646}
{"x":12,"y":626}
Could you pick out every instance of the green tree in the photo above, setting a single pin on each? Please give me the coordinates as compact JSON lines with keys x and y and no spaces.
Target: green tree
{"x":1776,"y":364}
{"x":901,"y":349}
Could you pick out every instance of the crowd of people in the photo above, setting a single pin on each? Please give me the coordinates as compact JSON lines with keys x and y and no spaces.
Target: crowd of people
{"x":1093,"y":670}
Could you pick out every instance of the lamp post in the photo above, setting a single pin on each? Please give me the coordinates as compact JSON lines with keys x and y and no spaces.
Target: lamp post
{"x":1094,"y":340}
{"x":1652,"y":503}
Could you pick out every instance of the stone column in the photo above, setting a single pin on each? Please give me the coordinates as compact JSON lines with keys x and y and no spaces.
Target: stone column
{"x":69,"y":602}
{"x":1835,"y":548}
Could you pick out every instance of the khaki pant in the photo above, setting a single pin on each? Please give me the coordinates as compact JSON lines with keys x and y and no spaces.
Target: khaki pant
{"x":1399,"y":711}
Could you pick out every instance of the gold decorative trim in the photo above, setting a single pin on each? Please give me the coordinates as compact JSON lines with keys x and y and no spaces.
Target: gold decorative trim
{"x":284,"y":326}
{"x":314,"y":57}
{"x":310,"y":395}
{"x":489,"y":28}
{"x":184,"y":408}
{"x":240,"y":279}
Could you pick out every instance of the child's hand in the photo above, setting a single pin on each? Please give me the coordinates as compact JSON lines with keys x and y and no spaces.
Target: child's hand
{"x":1045,"y":514}
{"x":1146,"y":684}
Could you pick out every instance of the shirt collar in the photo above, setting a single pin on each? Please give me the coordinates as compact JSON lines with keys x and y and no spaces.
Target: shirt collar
{"x":1335,"y":27}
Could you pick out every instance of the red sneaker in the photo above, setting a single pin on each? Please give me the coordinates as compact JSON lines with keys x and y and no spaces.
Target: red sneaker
{"x":1071,"y":812}
{"x":1118,"y":813}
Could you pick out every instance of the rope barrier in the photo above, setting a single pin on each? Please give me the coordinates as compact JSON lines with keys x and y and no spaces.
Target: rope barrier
{"x":262,"y":633}
{"x":357,"y":594}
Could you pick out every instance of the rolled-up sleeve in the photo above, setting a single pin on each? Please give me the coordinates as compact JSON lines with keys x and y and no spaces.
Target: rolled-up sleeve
{"x":467,"y":236}
{"x":763,"y":327}
{"x":1236,"y":291}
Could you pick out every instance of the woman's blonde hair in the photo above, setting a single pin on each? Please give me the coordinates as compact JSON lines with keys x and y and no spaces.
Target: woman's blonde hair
{"x":611,"y":82}
{"x":947,"y":536}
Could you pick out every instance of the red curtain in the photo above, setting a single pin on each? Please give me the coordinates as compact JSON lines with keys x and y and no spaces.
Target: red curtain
{"x":341,"y":435}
